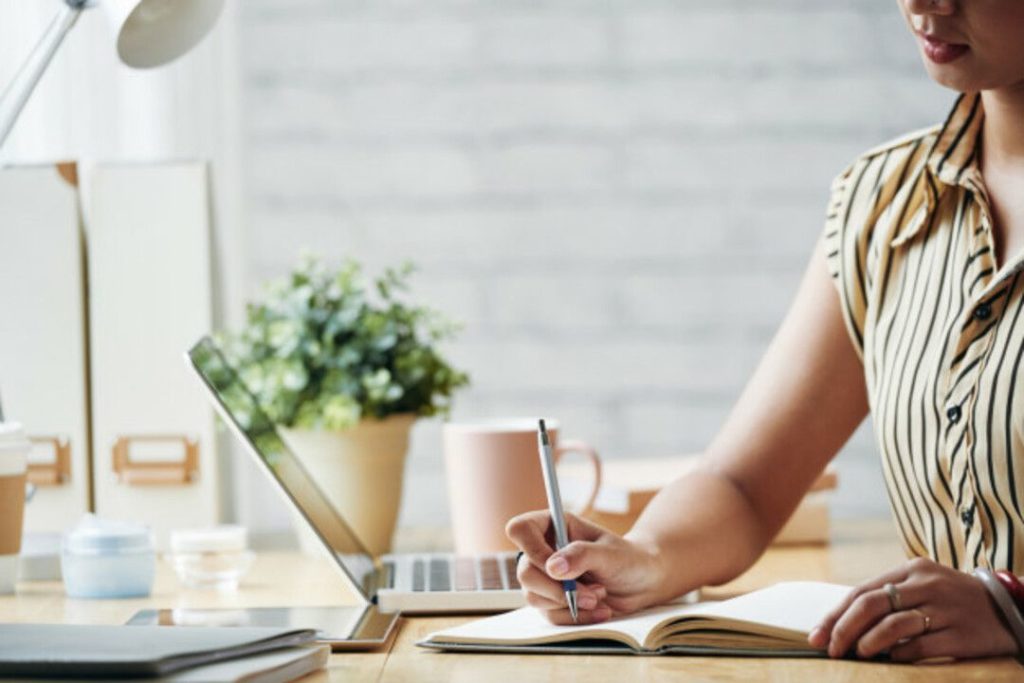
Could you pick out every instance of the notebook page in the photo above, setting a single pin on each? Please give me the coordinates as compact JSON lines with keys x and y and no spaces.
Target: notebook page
{"x":528,"y":626}
{"x":792,"y":606}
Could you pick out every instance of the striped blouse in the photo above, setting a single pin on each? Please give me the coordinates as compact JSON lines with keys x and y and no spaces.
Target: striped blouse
{"x":938,"y":325}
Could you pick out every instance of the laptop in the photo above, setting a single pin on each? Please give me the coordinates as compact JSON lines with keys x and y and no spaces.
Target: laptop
{"x":410,"y":583}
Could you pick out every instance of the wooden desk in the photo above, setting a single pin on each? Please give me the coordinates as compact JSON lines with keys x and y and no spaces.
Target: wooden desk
{"x":859,"y":550}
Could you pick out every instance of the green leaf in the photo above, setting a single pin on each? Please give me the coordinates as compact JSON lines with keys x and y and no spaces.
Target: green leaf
{"x":325,"y":348}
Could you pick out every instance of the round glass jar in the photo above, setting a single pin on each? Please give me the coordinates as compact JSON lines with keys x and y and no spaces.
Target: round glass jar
{"x":215,"y":557}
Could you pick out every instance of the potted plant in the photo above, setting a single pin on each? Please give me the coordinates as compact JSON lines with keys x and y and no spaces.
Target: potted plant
{"x":343,"y":367}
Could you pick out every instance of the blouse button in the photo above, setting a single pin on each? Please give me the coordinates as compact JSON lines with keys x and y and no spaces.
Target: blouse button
{"x":983,"y":311}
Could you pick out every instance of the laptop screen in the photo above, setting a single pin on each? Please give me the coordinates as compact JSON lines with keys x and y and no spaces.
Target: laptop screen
{"x":239,"y":407}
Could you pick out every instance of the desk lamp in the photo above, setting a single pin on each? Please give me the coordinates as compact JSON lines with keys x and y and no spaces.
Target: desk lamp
{"x":150,"y":33}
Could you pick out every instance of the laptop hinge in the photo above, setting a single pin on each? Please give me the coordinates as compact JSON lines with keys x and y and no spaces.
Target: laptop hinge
{"x":381,"y":578}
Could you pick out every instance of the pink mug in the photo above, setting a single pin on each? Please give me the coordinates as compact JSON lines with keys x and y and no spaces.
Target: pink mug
{"x":493,"y":471}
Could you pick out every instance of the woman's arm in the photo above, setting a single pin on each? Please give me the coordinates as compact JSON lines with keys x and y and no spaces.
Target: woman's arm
{"x":801,"y":405}
{"x":803,"y":402}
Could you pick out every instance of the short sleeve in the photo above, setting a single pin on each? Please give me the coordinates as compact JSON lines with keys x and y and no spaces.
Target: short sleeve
{"x":847,"y":247}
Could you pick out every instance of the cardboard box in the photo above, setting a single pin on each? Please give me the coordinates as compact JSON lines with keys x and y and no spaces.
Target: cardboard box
{"x":628,"y":485}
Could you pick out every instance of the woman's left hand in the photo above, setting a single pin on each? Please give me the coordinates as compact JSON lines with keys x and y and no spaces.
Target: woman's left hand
{"x":961,"y":620}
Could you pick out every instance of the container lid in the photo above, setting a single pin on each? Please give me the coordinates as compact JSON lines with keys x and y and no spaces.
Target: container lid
{"x":216,"y":539}
{"x":96,"y":535}
{"x":11,"y":430}
{"x":14,"y":449}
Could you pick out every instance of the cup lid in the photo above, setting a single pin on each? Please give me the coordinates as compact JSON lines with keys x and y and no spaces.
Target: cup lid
{"x":12,"y":432}
{"x":216,"y":539}
{"x":14,"y":448}
{"x":96,"y":535}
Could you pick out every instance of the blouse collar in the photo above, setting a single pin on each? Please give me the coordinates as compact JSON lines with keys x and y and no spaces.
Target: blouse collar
{"x":955,"y":151}
{"x":952,"y":161}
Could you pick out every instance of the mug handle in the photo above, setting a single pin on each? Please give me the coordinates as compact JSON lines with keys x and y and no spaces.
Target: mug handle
{"x":577,"y":446}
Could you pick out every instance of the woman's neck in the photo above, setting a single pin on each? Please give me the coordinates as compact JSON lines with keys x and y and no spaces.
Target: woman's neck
{"x":1003,"y":132}
{"x":1002,"y":166}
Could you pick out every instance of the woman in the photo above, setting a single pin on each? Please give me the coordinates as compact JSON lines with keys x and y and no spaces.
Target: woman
{"x":923,"y":243}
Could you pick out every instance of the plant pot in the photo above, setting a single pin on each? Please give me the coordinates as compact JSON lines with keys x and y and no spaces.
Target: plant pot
{"x":360,"y":471}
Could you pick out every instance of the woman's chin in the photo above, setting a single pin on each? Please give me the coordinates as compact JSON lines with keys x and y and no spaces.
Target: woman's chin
{"x":952,"y":77}
{"x":965,"y":76}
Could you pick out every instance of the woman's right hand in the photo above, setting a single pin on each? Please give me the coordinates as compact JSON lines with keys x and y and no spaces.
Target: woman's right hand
{"x":614,"y":575}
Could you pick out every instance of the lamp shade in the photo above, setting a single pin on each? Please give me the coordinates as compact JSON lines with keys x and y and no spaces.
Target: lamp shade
{"x":151,"y":33}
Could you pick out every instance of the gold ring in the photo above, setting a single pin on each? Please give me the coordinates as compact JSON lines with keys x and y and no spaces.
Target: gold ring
{"x":894,"y":597}
{"x":927,"y":622}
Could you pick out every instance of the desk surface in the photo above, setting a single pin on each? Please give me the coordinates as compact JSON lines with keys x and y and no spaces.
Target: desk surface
{"x":859,"y":550}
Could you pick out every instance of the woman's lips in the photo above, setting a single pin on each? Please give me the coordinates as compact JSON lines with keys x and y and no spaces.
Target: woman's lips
{"x":941,"y":52}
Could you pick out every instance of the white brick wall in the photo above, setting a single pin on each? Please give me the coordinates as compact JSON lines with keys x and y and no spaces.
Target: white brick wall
{"x":583,"y":182}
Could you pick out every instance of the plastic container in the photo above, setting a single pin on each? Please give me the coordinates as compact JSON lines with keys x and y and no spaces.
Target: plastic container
{"x":215,"y":557}
{"x":106,"y":559}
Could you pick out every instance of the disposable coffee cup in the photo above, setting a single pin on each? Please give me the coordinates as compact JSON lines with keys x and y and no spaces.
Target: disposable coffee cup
{"x":14,"y":448}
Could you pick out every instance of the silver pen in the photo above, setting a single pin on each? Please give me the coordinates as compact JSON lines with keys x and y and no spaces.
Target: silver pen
{"x":547,"y":465}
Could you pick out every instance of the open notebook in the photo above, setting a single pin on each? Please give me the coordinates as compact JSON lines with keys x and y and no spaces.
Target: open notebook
{"x":773,"y":621}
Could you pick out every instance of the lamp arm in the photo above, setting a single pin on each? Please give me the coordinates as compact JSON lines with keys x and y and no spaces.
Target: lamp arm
{"x":17,"y":93}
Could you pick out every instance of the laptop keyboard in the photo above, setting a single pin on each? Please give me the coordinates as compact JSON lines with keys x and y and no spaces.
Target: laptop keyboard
{"x":460,"y":573}
{"x":510,"y":571}
{"x":419,"y":579}
{"x":490,"y":574}
{"x":440,"y":574}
